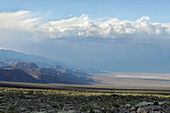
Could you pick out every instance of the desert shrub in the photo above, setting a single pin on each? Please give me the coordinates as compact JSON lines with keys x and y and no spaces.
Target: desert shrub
{"x":54,"y":105}
{"x":30,"y":92}
{"x":2,"y":111}
{"x":91,"y":110}
{"x":85,"y":108}
{"x":20,"y":94}
{"x":12,"y":109}
{"x":116,"y":105}
{"x":169,"y":99}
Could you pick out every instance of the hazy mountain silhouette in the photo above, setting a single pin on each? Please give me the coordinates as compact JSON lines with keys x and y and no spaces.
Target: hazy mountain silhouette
{"x":8,"y":57}
{"x":32,"y":73}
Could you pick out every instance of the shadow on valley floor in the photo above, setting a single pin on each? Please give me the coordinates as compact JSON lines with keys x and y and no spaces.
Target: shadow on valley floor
{"x":76,"y":87}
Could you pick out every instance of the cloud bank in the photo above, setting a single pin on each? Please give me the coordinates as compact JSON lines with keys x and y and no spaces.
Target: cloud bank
{"x":104,"y":43}
{"x":26,"y":25}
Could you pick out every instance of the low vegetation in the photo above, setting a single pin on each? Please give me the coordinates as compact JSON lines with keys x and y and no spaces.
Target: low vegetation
{"x":18,"y":100}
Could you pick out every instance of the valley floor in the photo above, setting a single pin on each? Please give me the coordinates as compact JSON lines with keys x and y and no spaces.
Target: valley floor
{"x":138,"y":80}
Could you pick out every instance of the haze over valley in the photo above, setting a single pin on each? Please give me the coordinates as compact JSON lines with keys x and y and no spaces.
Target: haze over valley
{"x":20,"y":67}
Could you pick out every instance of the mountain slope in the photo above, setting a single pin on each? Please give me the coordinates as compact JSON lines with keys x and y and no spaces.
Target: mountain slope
{"x":90,"y":70}
{"x":12,"y":57}
{"x":47,"y":71}
{"x":16,"y":75}
{"x":50,"y":74}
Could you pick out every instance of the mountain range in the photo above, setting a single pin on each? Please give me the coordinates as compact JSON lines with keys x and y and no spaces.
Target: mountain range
{"x":20,"y":67}
{"x":8,"y":57}
{"x":30,"y":72}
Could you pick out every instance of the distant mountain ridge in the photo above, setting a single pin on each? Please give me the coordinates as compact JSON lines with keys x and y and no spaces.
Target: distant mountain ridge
{"x":41,"y":75}
{"x":9,"y":57}
{"x":90,"y":70}
{"x":40,"y":69}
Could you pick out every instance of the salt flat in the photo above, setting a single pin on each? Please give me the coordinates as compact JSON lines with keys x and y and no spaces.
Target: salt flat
{"x":150,"y":80}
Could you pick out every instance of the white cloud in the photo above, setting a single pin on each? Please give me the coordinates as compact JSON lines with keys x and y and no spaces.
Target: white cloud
{"x":111,"y":28}
{"x":20,"y":19}
{"x":21,"y":25}
{"x":24,"y":24}
{"x":144,"y":18}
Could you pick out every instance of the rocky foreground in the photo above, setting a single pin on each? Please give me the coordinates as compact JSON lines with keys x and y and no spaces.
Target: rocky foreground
{"x":53,"y":101}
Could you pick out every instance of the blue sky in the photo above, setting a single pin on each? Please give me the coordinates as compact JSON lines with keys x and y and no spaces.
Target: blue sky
{"x":111,"y":35}
{"x":157,"y":10}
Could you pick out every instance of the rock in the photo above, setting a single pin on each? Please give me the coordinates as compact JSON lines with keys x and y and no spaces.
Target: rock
{"x":133,"y":108}
{"x":63,"y":112}
{"x":28,"y":96}
{"x":161,"y":103}
{"x":128,"y":106}
{"x":22,"y":109}
{"x":3,"y":107}
{"x":72,"y":111}
{"x":96,"y":111}
{"x":144,"y":103}
{"x":133,"y":112}
{"x":68,"y":107}
{"x":157,"y":108}
{"x":142,"y":110}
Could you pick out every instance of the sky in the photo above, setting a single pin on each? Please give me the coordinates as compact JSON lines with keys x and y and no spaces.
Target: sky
{"x":158,"y":10}
{"x":111,"y":35}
